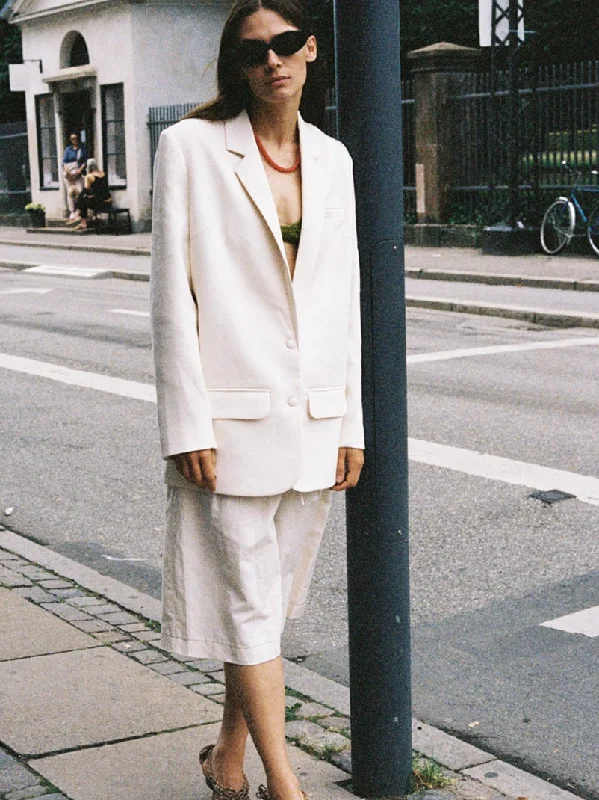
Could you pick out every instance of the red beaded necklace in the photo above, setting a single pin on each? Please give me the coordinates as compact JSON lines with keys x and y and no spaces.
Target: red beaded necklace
{"x":274,"y":164}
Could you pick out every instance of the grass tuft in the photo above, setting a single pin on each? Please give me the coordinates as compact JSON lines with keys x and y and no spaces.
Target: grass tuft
{"x":427,"y":774}
{"x":291,"y":712}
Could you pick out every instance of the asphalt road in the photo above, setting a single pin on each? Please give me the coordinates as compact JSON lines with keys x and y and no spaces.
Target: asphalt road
{"x":554,"y":299}
{"x":81,"y":470}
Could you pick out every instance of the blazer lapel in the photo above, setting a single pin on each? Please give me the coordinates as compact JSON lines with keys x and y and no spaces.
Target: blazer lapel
{"x":314,"y":192}
{"x":250,"y":171}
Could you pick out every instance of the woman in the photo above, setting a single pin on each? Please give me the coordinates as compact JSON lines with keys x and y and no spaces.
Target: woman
{"x":95,"y":195}
{"x":255,"y":318}
{"x":73,"y":166}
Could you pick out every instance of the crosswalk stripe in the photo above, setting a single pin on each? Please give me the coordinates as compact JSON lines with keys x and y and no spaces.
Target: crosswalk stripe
{"x":519,"y":473}
{"x":76,"y":377}
{"x":585,"y":622}
{"x":25,"y":291}
{"x":506,"y":470}
{"x":72,"y":272}
{"x":470,"y":352}
{"x":129,"y":312}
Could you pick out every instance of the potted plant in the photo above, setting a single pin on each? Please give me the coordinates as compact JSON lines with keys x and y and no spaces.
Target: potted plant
{"x":37,"y":214}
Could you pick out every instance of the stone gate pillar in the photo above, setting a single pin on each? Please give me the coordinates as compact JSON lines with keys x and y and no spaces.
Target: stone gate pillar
{"x":434,"y":72}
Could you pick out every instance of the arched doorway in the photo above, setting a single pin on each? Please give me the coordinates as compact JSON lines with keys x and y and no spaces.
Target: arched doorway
{"x":77,"y":106}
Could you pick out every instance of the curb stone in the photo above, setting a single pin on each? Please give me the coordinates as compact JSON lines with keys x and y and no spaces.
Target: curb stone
{"x":503,"y":279}
{"x":98,"y":248}
{"x":539,"y":316}
{"x":466,"y":766}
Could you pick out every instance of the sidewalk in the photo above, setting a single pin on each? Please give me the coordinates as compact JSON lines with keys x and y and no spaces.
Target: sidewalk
{"x":93,"y":709}
{"x":130,"y":244}
{"x":440,"y":279}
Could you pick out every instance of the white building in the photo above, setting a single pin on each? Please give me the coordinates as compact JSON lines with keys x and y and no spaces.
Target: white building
{"x":95,"y":67}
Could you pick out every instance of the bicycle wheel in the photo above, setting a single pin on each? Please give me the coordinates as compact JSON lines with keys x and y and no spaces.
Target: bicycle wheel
{"x":557,"y":227}
{"x":593,"y":230}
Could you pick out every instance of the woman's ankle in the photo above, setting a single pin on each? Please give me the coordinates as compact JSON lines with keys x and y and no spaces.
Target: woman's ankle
{"x":227,"y":767}
{"x":283,"y":786}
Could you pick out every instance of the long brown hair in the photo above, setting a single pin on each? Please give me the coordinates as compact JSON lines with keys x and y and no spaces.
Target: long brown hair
{"x":233,"y":91}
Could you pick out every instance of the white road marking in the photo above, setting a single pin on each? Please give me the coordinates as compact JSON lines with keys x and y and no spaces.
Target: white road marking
{"x":506,"y":470}
{"x":130,"y":312}
{"x":75,"y":377}
{"x":114,"y":558}
{"x":585,"y":622}
{"x":73,"y":272}
{"x":446,"y":355}
{"x":518,"y":473}
{"x":25,"y":291}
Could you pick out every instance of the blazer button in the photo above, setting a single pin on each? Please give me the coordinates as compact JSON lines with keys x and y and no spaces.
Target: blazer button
{"x":291,"y":344}
{"x":292,"y":402}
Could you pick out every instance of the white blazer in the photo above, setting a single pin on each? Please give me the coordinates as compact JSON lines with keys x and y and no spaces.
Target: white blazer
{"x":263,"y":369}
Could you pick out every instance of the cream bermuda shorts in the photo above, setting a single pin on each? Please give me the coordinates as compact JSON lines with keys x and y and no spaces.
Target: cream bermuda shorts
{"x":235,"y":568}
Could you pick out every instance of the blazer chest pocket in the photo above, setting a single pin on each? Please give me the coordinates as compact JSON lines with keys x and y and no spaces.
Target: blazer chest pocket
{"x":239,"y":403}
{"x":334,"y":213}
{"x":326,"y":403}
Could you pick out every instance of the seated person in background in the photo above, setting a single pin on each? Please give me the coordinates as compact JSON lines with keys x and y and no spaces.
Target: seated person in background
{"x":73,"y":165}
{"x":95,"y":195}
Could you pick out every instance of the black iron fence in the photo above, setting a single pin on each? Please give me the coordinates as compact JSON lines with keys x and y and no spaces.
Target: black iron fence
{"x":558,"y":122}
{"x":161,"y":117}
{"x":408,"y":115}
{"x":15,"y":185}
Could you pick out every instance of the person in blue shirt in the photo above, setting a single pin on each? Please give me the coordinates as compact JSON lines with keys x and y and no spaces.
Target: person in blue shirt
{"x":73,"y":165}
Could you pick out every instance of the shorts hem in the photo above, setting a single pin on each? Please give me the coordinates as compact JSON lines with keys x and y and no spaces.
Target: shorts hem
{"x":219,"y":651}
{"x":295,"y":610}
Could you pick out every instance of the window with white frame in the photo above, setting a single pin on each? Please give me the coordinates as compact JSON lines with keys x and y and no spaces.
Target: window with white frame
{"x":46,"y":142}
{"x":113,"y":135}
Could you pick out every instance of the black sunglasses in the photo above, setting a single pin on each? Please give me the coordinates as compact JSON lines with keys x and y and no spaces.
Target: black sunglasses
{"x":253,"y":52}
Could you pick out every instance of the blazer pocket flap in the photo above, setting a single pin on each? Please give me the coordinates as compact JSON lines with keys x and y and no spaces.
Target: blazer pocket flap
{"x":239,"y":403}
{"x":323,"y":403}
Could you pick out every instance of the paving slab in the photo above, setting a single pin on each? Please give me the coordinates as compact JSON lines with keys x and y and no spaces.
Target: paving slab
{"x":26,"y":630}
{"x":515,"y":782}
{"x":165,"y":766}
{"x":445,"y":749}
{"x":44,"y":710}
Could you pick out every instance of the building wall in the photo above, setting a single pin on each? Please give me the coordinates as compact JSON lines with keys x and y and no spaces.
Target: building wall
{"x":175,"y":46}
{"x":163,"y":51}
{"x":107,"y":32}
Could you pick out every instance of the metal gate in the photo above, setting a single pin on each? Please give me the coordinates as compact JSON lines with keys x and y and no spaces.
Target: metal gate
{"x":15,"y":183}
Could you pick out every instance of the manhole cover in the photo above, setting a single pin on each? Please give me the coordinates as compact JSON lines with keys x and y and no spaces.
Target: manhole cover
{"x":552,"y":496}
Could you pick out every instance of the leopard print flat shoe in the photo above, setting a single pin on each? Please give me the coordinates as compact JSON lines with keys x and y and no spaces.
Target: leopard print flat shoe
{"x":220,"y":792}
{"x":264,"y":794}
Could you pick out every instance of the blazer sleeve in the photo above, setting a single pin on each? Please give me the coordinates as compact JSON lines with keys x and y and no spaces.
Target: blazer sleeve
{"x":184,"y":417}
{"x":352,"y":428}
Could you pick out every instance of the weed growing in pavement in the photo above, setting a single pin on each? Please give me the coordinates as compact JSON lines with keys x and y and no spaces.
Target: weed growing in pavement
{"x":291,"y":712}
{"x":330,"y":751}
{"x":303,"y":697}
{"x":427,"y":774}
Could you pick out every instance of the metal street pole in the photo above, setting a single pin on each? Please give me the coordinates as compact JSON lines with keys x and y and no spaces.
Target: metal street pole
{"x":514,"y":127}
{"x":377,"y":510}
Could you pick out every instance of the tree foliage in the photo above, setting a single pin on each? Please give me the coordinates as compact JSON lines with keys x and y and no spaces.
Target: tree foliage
{"x":12,"y":104}
{"x":564,"y":29}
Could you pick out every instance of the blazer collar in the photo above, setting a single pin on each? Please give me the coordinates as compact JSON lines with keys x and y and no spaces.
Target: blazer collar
{"x":239,"y":139}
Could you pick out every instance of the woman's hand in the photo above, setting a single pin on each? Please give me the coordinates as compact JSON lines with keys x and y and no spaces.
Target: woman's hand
{"x":198,"y":467}
{"x":350,"y":461}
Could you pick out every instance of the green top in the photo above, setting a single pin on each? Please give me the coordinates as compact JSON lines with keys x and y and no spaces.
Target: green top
{"x":291,"y":233}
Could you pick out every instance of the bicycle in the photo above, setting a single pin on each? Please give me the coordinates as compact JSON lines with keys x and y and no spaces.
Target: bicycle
{"x":559,"y":221}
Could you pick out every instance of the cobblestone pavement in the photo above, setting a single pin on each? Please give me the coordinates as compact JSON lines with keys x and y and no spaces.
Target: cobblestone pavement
{"x":316,"y":728}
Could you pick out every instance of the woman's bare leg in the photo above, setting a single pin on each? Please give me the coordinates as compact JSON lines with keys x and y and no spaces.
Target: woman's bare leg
{"x":255,"y":700}
{"x":227,"y":757}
